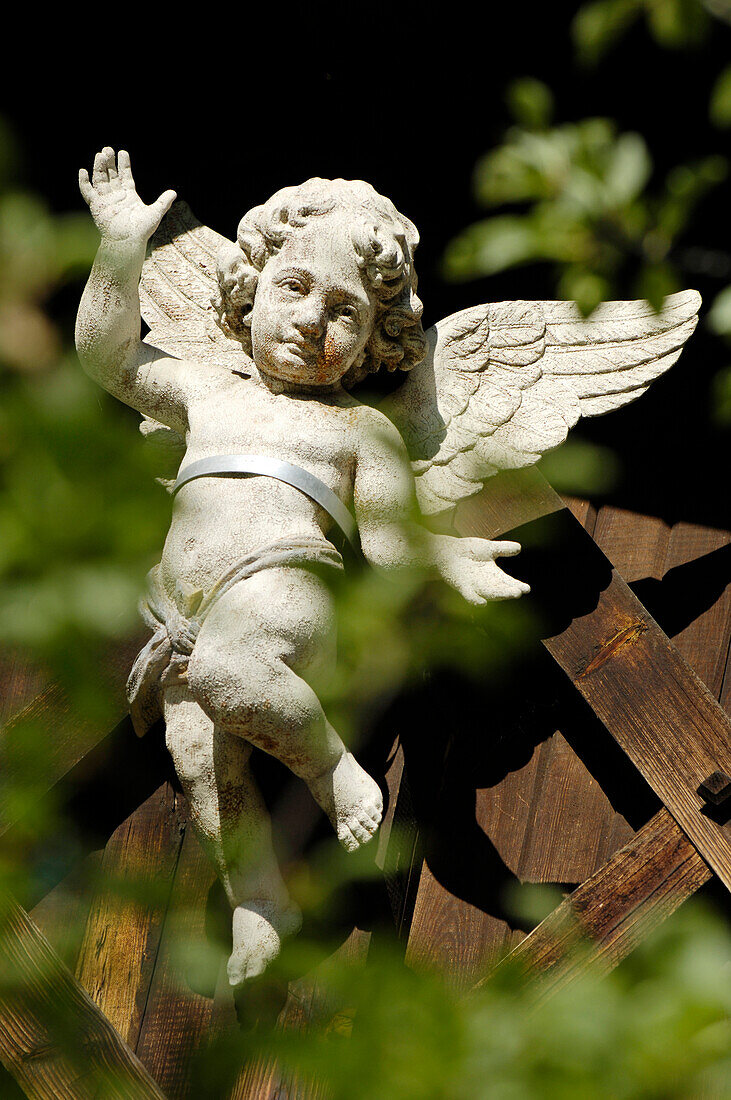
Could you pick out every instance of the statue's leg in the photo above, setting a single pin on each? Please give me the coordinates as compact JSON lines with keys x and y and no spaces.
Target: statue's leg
{"x":245,"y":672}
{"x":234,"y":827}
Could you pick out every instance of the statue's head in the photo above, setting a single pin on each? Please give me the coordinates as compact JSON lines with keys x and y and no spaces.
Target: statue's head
{"x":321,"y":286}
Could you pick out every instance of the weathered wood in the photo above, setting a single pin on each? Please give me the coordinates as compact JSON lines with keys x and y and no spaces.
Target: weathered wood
{"x":658,"y":710}
{"x":541,"y":818}
{"x":645,"y":882}
{"x":53,"y":1038}
{"x":614,"y":910}
{"x":176,"y":1018}
{"x":122,"y":934}
{"x":637,"y":683}
{"x":49,"y":710}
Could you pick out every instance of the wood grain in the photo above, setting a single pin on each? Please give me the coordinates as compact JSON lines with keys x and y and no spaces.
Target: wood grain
{"x":53,"y":1038}
{"x":614,"y":910}
{"x":122,"y":934}
{"x":637,"y":683}
{"x":652,"y":876}
{"x":177,"y":1016}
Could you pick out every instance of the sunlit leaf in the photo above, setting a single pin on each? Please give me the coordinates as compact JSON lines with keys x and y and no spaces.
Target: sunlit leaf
{"x":718,"y":317}
{"x":720,"y":104}
{"x":530,"y":102}
{"x":598,"y":25}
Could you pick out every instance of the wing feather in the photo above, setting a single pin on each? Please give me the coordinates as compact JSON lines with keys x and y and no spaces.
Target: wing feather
{"x":502,"y":384}
{"x":177,"y":288}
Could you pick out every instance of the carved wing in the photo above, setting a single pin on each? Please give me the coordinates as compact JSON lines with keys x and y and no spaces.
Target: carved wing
{"x":503,"y":383}
{"x":177,"y":288}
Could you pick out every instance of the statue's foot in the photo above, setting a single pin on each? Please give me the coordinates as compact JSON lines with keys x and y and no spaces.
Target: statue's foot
{"x":351,"y":799}
{"x":258,"y":930}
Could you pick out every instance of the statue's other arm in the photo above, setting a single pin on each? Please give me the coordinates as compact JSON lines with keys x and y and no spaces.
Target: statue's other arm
{"x":108,"y":323}
{"x":392,"y":538}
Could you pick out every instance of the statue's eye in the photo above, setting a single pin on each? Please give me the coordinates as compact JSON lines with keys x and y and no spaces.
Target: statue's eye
{"x":294,"y":286}
{"x":349,"y":313}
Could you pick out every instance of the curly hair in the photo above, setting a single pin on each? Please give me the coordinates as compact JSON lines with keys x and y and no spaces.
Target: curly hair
{"x":384,"y":242}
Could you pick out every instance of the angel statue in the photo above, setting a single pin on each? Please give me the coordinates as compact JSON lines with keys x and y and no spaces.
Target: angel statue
{"x":253,"y":349}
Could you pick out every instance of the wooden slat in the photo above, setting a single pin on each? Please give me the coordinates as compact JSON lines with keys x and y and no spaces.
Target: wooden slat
{"x":53,"y":1039}
{"x":542,"y":817}
{"x":643,"y":691}
{"x":615,"y":909}
{"x":121,"y":939}
{"x":176,"y":1019}
{"x":652,"y":876}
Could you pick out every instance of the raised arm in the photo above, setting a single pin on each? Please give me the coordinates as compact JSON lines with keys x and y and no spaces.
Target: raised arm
{"x":390,"y":533}
{"x":108,"y":323}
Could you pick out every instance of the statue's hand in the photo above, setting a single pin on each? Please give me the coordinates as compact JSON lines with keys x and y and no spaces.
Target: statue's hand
{"x":469,"y":566}
{"x":117,"y":209}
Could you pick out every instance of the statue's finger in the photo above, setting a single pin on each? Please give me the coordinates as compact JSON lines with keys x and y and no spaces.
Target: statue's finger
{"x":100,"y":174}
{"x":124,"y":169}
{"x":87,"y":191}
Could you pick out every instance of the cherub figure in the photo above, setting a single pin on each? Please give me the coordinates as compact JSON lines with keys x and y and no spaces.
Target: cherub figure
{"x":252,"y":352}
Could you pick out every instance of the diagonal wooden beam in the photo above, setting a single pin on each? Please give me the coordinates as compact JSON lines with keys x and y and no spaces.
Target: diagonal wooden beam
{"x":53,"y":1039}
{"x":622,"y":663}
{"x":614,"y":910}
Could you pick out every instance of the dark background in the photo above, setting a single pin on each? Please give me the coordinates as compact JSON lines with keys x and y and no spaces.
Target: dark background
{"x":227,"y":108}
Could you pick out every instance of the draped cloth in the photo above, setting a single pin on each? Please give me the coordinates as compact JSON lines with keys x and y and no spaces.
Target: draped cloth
{"x":175,"y":623}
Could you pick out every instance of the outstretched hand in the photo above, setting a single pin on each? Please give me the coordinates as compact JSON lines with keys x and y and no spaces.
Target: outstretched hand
{"x":469,"y":566}
{"x":115,"y":206}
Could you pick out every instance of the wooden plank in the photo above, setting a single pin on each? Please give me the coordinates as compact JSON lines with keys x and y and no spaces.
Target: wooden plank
{"x":636,"y":545}
{"x":704,"y":641}
{"x":637,"y":683}
{"x":122,"y":935}
{"x":177,"y":1016}
{"x":658,"y":710}
{"x":614,"y":910}
{"x":53,"y":1039}
{"x":50,"y":721}
{"x":652,"y":876}
{"x":542,"y":817}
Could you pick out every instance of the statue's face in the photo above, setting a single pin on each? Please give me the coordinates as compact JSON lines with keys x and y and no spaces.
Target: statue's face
{"x":313,"y":313}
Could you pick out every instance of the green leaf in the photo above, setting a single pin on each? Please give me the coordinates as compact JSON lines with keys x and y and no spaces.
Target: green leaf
{"x":628,"y":169}
{"x":655,"y":282}
{"x":586,"y":288}
{"x":490,"y":246}
{"x":676,"y":23}
{"x":597,"y":26}
{"x":718,"y":317}
{"x":720,"y":105}
{"x":530,"y":102}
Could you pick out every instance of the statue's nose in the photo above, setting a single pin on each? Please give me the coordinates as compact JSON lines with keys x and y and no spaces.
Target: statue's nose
{"x":310,"y":320}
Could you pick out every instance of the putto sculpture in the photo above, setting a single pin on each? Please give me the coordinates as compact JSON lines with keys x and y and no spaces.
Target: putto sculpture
{"x":253,"y":349}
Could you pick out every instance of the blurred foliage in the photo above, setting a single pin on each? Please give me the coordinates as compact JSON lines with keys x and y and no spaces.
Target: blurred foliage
{"x":585,"y":198}
{"x":657,"y":1027}
{"x":580,"y":200}
{"x":673,"y":23}
{"x":82,"y":520}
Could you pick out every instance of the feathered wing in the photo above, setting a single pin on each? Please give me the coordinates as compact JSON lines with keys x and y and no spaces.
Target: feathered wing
{"x":177,"y":288}
{"x":502,"y":384}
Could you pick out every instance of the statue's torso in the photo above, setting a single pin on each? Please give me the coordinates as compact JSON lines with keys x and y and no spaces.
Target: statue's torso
{"x":216,"y":520}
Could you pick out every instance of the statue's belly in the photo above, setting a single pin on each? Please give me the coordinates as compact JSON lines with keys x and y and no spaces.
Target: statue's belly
{"x":218,"y":520}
